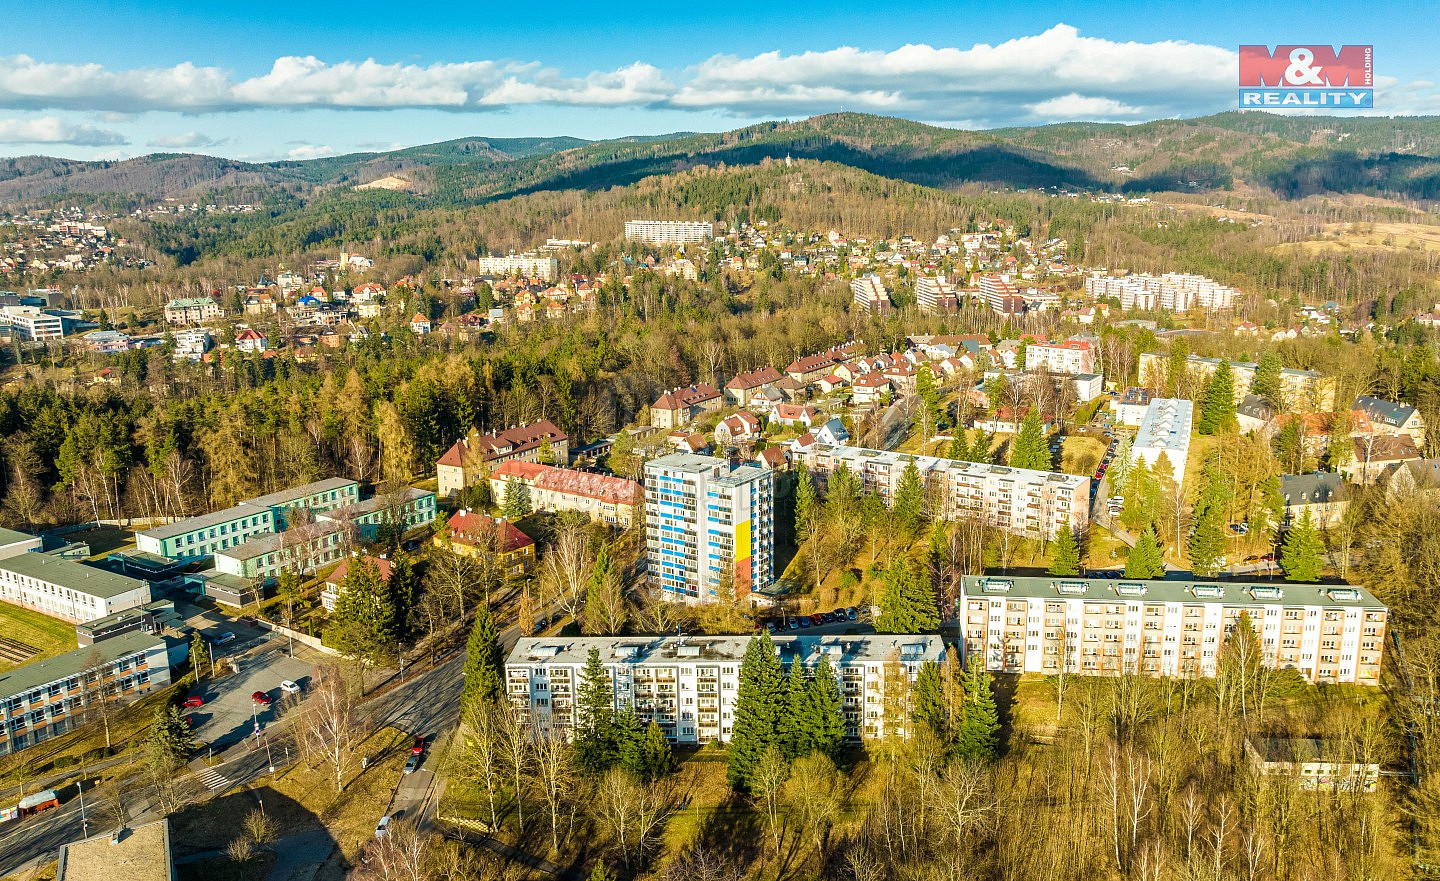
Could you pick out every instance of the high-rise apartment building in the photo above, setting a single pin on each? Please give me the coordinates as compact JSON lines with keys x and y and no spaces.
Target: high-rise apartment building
{"x":528,"y":265}
{"x":1024,"y":502}
{"x":688,"y":685}
{"x":708,"y":526}
{"x":668,"y":232}
{"x":869,"y":294}
{"x":1329,"y":633}
{"x":1171,"y":292}
{"x":936,"y":296}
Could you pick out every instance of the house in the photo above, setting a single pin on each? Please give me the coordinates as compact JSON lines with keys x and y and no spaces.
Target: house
{"x":1311,"y":764}
{"x":828,"y":384}
{"x":1324,"y":495}
{"x":1087,"y":386}
{"x":419,"y":324}
{"x":773,"y":458}
{"x":1376,"y":456}
{"x":832,"y":432}
{"x":335,"y":581}
{"x":739,"y":390}
{"x":250,"y":340}
{"x":688,"y":441}
{"x":811,"y":367}
{"x":1130,"y":407}
{"x":902,"y":376}
{"x":471,"y":533}
{"x":870,"y":389}
{"x":740,"y":427}
{"x":1391,"y":418}
{"x":794,"y":414}
{"x":461,"y":465}
{"x":1257,"y":415}
{"x":682,"y":405}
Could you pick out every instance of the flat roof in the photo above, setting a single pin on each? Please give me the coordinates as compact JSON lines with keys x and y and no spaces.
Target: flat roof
{"x":687,"y":462}
{"x":858,"y":648}
{"x":862,"y":455}
{"x":141,"y":854}
{"x":200,"y":521}
{"x":90,"y":580}
{"x":11,"y":536}
{"x":274,"y":541}
{"x":22,"y":679}
{"x":1190,"y":591}
{"x":295,"y":493}
{"x":376,"y":503}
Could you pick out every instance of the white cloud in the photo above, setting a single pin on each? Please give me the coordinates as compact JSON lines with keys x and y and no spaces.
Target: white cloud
{"x":50,"y":130}
{"x":187,"y":141}
{"x":310,"y":151}
{"x":1075,"y":106}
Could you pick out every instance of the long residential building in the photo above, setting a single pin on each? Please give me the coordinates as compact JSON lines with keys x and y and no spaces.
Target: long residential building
{"x":668,"y":232}
{"x":198,"y":537}
{"x":1165,"y":431}
{"x":48,"y":698}
{"x":68,"y":590}
{"x":1020,"y":501}
{"x":688,"y":684}
{"x":192,"y":310}
{"x":708,"y":526}
{"x":1305,"y":390}
{"x":1171,"y":292}
{"x":32,"y":324}
{"x":1042,"y":624}
{"x":461,"y":466}
{"x":303,"y":549}
{"x":601,"y":496}
{"x":528,"y":265}
{"x":1069,"y":357}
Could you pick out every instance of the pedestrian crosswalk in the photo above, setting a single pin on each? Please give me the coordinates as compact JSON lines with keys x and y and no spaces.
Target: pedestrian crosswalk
{"x":213,"y":779}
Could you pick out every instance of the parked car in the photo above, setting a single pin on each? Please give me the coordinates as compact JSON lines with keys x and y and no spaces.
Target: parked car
{"x":225,"y":637}
{"x":418,"y":746}
{"x":794,"y":623}
{"x":838,"y":614}
{"x":382,"y":827}
{"x":852,"y":613}
{"x":817,"y":619}
{"x":192,"y":701}
{"x":289,"y":687}
{"x":412,"y":763}
{"x":261,"y":698}
{"x":1239,"y":528}
{"x":804,"y":622}
{"x":771,"y":627}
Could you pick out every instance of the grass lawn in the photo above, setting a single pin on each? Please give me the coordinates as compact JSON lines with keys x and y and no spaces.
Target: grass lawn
{"x":50,"y":636}
{"x":226,"y":869}
{"x":1081,"y":454}
{"x":45,"y":872}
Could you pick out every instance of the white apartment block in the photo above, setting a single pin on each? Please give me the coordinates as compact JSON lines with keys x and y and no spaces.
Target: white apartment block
{"x":1020,"y":501}
{"x":1171,"y":292}
{"x":936,"y":296}
{"x":528,"y":265}
{"x":705,"y":523}
{"x":688,"y":684}
{"x":1165,"y":428}
{"x":66,"y":589}
{"x":193,"y":310}
{"x":1070,"y":357}
{"x":31,"y":323}
{"x":668,"y":232}
{"x":1041,"y":624}
{"x":1302,"y":389}
{"x":869,"y":294}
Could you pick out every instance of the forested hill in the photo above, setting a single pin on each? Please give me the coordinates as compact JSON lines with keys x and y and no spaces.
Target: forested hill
{"x":1291,"y":156}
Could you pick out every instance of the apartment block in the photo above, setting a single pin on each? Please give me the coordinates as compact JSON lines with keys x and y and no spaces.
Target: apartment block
{"x":668,"y":232}
{"x":1171,"y":292}
{"x":32,"y":324}
{"x":1020,"y":501}
{"x":461,"y":465}
{"x":688,"y":685}
{"x":192,"y":310}
{"x":1000,"y":295}
{"x":407,"y":509}
{"x":936,"y":296}
{"x":708,"y":525}
{"x":869,"y":294}
{"x":528,"y":265}
{"x":602,"y":497}
{"x":1070,"y":357}
{"x":1037,"y":624}
{"x":197,"y":537}
{"x":1302,"y":389}
{"x":48,"y":698}
{"x":66,"y":589}
{"x":304,"y":550}
{"x":1165,"y":430}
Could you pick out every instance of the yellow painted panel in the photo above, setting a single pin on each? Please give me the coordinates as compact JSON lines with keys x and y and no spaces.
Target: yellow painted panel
{"x":742,"y":540}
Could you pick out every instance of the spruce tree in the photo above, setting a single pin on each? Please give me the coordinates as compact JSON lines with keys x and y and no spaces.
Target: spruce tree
{"x":656,"y":757}
{"x":979,"y":734}
{"x":806,"y":507}
{"x":908,"y":506}
{"x":484,"y":665}
{"x":1207,"y":540}
{"x":404,"y":589}
{"x":364,"y":624}
{"x":1302,"y":553}
{"x":1030,"y":450}
{"x":1066,"y":557}
{"x":927,"y":700}
{"x":1267,"y":382}
{"x":842,"y":493}
{"x":516,"y":503}
{"x":826,"y":711}
{"x":1145,"y":560}
{"x":1217,"y":407}
{"x":171,"y":740}
{"x":980,"y":448}
{"x":907,"y":604}
{"x":596,"y":747}
{"x":758,"y":705}
{"x":959,"y":449}
{"x":794,"y":729}
{"x":630,"y":741}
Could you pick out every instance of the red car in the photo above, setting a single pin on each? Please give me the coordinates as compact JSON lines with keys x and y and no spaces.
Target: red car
{"x":261,"y":697}
{"x":190,"y":722}
{"x":419,"y":746}
{"x":193,"y":701}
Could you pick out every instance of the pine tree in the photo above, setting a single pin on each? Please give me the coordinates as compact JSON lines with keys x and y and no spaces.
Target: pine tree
{"x":655,"y":755}
{"x":1145,"y":560}
{"x":826,"y":713}
{"x":806,"y":506}
{"x":795,"y":726}
{"x":171,"y":740}
{"x":596,"y":747}
{"x":959,"y":447}
{"x":979,"y":734}
{"x":1301,"y":553}
{"x":1030,"y":450}
{"x":907,"y":604}
{"x":909,"y":504}
{"x":1066,"y":558}
{"x":517,"y":499}
{"x":484,"y":665}
{"x":1207,"y":537}
{"x":758,"y":704}
{"x":1267,"y":381}
{"x":927,"y":700}
{"x":1217,"y":406}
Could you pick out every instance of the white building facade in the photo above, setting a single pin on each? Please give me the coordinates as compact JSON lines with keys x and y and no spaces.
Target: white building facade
{"x":1165,"y":430}
{"x":528,"y":265}
{"x":668,"y":232}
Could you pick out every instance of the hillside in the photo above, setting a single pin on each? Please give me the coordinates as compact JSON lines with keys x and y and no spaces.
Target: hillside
{"x":1290,"y":156}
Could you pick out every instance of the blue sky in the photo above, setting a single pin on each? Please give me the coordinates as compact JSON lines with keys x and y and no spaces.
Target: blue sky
{"x":267,"y":80}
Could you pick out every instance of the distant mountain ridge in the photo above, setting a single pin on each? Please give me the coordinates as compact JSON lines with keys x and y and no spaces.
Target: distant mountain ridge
{"x":1292,"y":156}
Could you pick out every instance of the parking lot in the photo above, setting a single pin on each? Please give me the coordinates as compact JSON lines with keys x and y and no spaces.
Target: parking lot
{"x":230,"y":713}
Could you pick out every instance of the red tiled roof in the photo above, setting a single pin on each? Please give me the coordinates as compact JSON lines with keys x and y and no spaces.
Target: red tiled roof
{"x":604,"y":487}
{"x":516,"y":439}
{"x":871,"y":380}
{"x":469,"y":527}
{"x":684,"y":398}
{"x":754,"y":378}
{"x":338,"y":576}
